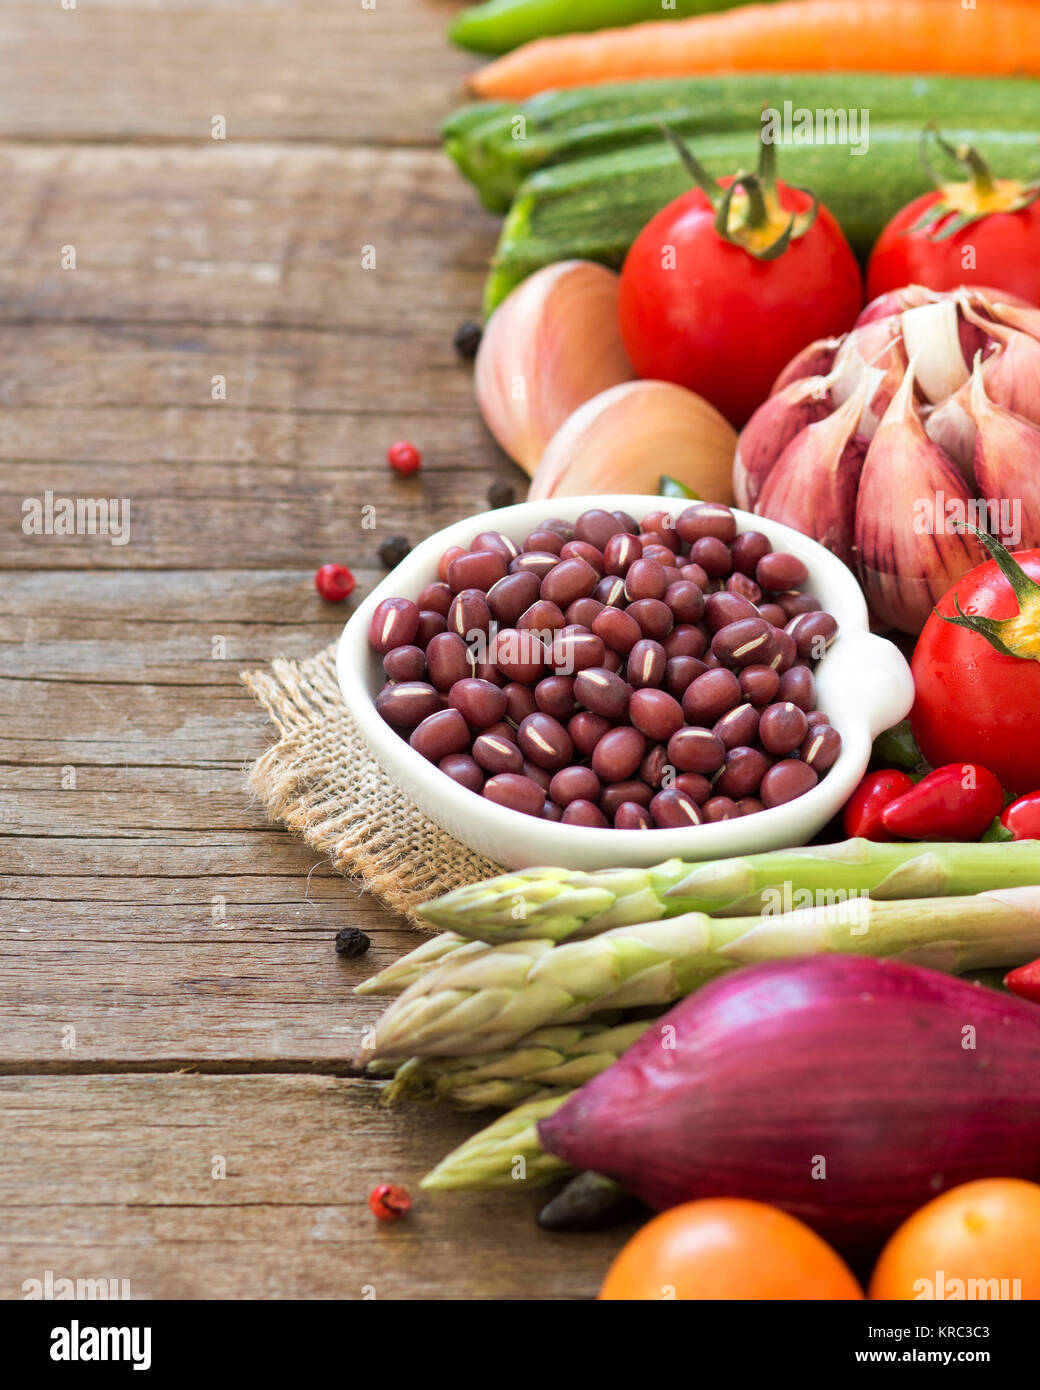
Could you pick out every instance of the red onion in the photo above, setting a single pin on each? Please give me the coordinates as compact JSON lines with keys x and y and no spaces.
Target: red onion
{"x":846,"y":1090}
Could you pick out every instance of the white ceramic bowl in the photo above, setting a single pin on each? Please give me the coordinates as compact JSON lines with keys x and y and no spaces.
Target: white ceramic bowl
{"x":863,"y":684}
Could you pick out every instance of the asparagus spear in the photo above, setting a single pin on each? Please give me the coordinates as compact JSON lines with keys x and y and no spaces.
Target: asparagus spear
{"x":544,"y":1061}
{"x":562,"y":904}
{"x":493,"y":999}
{"x":505,"y":1154}
{"x":408,"y":968}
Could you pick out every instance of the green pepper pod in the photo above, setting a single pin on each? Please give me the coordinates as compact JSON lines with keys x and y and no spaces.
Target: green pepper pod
{"x":499,"y":25}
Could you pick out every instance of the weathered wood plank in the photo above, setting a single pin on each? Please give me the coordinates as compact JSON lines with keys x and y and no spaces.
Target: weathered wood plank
{"x":290,"y":1218}
{"x":207,"y":995}
{"x":149,"y":906}
{"x":285,"y":69}
{"x":231,"y":516}
{"x":384,"y":243}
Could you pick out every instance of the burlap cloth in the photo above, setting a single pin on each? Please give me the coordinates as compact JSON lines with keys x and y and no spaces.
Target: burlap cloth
{"x":320,"y":781}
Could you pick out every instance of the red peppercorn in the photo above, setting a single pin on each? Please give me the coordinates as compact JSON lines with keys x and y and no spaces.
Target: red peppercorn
{"x":389,"y":1202}
{"x":404,"y":457}
{"x":334,"y":583}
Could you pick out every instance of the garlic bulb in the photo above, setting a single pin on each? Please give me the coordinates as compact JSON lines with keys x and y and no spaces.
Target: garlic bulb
{"x":624,"y":439}
{"x":945,"y":390}
{"x":548,"y":348}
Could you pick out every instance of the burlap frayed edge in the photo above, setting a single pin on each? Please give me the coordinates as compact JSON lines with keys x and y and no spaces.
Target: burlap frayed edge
{"x":320,"y":781}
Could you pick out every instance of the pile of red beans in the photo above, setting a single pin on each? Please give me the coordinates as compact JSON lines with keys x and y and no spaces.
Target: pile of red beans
{"x":617,"y":673}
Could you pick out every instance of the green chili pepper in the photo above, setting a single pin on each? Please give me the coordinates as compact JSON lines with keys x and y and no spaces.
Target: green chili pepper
{"x":499,"y":25}
{"x":667,"y":486}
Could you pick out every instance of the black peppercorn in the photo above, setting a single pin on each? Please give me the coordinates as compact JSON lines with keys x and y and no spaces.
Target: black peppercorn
{"x":501,"y":495}
{"x":467,"y":338}
{"x":351,"y":941}
{"x":393,"y":550}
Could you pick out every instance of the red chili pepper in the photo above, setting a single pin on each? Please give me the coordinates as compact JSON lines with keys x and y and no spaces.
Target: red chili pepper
{"x":389,"y":1202}
{"x":955,"y":802}
{"x":1021,"y":820}
{"x":863,"y":809}
{"x":1025,"y":981}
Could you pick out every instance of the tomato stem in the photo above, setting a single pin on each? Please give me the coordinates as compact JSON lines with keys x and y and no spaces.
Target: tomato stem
{"x":757,"y":223}
{"x":963,"y":203}
{"x":1018,"y":636}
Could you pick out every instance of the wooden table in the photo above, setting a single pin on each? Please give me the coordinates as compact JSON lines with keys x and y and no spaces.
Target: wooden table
{"x":185,"y":321}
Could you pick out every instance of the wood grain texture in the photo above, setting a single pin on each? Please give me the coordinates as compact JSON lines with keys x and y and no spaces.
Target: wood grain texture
{"x":169,"y":988}
{"x":381,"y":73}
{"x":289,"y":1220}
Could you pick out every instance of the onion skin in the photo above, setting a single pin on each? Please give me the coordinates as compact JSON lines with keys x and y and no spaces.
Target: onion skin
{"x":549,"y":347}
{"x":748,"y":1085}
{"x":625,"y":438}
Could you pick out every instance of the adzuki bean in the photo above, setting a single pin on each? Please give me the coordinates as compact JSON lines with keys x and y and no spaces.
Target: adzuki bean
{"x":608,"y":673}
{"x":517,"y":792}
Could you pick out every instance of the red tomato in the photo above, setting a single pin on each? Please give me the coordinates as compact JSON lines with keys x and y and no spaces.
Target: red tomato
{"x":974,"y":703}
{"x":704,"y":312}
{"x":1006,"y":245}
{"x":1002,"y":238}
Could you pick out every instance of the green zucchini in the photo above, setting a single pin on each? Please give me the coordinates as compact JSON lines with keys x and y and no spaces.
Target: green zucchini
{"x":502,"y":143}
{"x":594,"y":208}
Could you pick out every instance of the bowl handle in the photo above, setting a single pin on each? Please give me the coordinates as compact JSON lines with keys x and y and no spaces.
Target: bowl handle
{"x":870,"y":673}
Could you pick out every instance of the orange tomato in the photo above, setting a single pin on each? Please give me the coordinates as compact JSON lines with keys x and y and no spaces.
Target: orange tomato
{"x":726,"y":1247}
{"x":970,"y":1238}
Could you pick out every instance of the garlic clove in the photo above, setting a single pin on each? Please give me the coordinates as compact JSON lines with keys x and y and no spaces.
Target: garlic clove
{"x":1007,"y":468}
{"x":951,"y":426}
{"x":625,"y":438}
{"x":1021,"y":317}
{"x":814,"y":482}
{"x":815,"y":360}
{"x":909,"y":552}
{"x":870,"y":365}
{"x":931,"y":336}
{"x":776,"y":422}
{"x":895,"y":302}
{"x":549,"y":347}
{"x":1013,"y":370}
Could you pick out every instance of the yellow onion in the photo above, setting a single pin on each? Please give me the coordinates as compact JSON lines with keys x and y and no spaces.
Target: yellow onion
{"x":926,"y":460}
{"x":552,"y":345}
{"x":624,"y":439}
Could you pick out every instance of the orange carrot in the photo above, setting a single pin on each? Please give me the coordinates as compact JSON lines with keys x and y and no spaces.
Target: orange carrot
{"x":998,"y":37}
